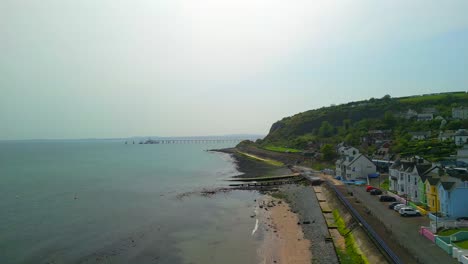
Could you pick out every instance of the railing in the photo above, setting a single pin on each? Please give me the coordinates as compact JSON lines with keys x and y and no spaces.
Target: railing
{"x":447,"y":224}
{"x":393,"y":257}
{"x":459,"y":254}
{"x":426,"y":232}
{"x":464,"y":259}
{"x":459,"y":236}
{"x":444,"y":243}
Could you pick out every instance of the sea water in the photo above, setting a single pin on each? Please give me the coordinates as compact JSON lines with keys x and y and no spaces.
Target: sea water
{"x":110,"y":202}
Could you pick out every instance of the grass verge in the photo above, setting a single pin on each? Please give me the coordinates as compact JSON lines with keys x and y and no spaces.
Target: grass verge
{"x":282,"y":149}
{"x":385,"y":185}
{"x":352,"y":254}
{"x":269,"y":161}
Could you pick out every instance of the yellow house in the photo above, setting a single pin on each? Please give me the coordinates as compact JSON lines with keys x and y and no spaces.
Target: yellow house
{"x":432,"y":194}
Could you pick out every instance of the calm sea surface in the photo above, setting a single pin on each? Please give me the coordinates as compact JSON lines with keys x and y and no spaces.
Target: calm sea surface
{"x":107,"y":202}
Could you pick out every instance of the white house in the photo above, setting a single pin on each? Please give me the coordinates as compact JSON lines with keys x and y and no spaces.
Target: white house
{"x":348,"y":151}
{"x":460,"y":112}
{"x":447,"y":135}
{"x":425,"y":117}
{"x":420,"y":135}
{"x":405,"y":175}
{"x":461,"y":137}
{"x":354,"y":167}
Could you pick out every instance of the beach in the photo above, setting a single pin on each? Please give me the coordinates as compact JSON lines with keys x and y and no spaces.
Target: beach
{"x":290,"y":225}
{"x":284,"y":240}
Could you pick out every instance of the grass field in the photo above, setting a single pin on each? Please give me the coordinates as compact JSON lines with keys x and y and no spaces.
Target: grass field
{"x":449,"y":232}
{"x":435,"y":97}
{"x":282,"y":149}
{"x":462,"y":244}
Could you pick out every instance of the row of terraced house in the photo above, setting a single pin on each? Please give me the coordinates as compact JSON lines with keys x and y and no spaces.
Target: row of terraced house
{"x":438,"y":189}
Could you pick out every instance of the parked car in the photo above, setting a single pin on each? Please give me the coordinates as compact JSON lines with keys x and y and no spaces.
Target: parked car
{"x":398,"y":207}
{"x":392,"y":205}
{"x":370,"y":188}
{"x":463,"y":218}
{"x":409,"y":211}
{"x":386,"y":198}
{"x":375,"y":192}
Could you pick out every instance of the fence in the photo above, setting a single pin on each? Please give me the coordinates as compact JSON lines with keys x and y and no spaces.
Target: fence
{"x":446,"y":224}
{"x":459,"y":253}
{"x":444,"y":243}
{"x":463,"y":259}
{"x":459,"y":236}
{"x":369,"y":229}
{"x":426,"y":232}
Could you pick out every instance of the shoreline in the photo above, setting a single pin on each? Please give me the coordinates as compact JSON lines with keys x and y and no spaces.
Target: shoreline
{"x":279,"y":228}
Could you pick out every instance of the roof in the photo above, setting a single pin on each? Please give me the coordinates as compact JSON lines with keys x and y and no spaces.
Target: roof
{"x":420,"y":133}
{"x":447,"y":185}
{"x":421,"y":169}
{"x":396,"y":164}
{"x":461,"y":133}
{"x":433,"y":181}
{"x":361,"y":155}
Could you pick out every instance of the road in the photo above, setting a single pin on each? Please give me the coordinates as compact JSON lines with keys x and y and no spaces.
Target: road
{"x":403,"y":230}
{"x":401,"y":234}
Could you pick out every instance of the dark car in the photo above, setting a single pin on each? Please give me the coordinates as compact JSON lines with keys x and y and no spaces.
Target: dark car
{"x":375,"y":192}
{"x":385,"y":198}
{"x":392,"y":205}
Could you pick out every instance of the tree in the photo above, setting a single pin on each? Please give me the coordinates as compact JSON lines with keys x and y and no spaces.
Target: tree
{"x":389,"y":119}
{"x":326,"y":129}
{"x":328,"y":152}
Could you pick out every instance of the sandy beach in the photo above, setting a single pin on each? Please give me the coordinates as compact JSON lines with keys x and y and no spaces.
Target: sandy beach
{"x":283,"y":240}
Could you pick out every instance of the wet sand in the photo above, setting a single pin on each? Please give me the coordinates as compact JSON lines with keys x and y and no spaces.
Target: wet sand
{"x":284,"y":240}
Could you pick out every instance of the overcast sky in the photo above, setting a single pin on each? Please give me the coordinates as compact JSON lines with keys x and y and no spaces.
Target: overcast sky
{"x":110,"y":68}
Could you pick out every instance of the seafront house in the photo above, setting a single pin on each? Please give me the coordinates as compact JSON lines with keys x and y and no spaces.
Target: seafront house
{"x":393,"y":175}
{"x":354,"y":166}
{"x":453,"y":193}
{"x":405,"y":178}
{"x":433,"y":176}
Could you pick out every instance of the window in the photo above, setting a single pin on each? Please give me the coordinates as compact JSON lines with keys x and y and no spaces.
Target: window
{"x":416,"y":194}
{"x":409,"y":178}
{"x":415,"y":181}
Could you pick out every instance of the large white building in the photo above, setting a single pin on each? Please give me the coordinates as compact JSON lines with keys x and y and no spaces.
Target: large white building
{"x":352,"y":167}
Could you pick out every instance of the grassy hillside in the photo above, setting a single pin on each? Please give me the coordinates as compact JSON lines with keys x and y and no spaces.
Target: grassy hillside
{"x":349,"y":122}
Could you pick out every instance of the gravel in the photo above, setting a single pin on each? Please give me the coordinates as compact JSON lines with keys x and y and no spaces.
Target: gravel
{"x":303,"y":201}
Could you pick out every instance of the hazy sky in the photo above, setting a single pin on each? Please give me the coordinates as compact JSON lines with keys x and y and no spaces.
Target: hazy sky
{"x":110,"y":68}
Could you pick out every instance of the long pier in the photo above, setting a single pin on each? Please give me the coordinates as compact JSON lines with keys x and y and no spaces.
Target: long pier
{"x":193,"y":141}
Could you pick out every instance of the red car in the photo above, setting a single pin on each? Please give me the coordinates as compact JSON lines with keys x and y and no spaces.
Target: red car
{"x":370,"y":188}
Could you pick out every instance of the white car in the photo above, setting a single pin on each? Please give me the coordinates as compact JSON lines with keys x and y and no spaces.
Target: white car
{"x":398,"y":207}
{"x":407,"y":211}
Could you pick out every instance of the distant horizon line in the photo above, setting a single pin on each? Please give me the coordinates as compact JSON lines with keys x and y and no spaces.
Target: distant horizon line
{"x":247,"y":136}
